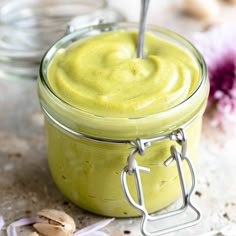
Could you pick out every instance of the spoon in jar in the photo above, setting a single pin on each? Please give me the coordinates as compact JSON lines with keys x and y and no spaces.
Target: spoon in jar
{"x":142,"y":27}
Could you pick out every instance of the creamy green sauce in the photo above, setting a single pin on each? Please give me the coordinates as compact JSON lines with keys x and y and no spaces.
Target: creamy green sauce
{"x":103,"y":76}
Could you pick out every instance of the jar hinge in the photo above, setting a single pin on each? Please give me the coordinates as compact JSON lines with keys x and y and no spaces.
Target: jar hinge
{"x":133,"y":168}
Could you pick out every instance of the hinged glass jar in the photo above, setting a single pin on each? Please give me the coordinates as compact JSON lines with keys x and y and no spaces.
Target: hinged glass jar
{"x":99,"y":162}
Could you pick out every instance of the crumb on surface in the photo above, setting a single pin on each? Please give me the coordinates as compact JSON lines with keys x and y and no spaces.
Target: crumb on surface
{"x":199,"y":194}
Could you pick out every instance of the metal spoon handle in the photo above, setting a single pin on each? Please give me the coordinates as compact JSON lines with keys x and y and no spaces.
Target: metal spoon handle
{"x":142,"y":27}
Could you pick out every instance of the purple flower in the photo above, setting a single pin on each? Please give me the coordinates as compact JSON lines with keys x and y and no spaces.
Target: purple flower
{"x":218,"y":47}
{"x":2,"y":223}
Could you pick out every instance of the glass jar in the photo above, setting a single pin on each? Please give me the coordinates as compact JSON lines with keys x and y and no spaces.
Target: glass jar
{"x":37,"y":24}
{"x":88,"y":154}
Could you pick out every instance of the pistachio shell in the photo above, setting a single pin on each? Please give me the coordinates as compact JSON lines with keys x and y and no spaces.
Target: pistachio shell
{"x":56,"y":223}
{"x":51,"y":230}
{"x":60,"y":217}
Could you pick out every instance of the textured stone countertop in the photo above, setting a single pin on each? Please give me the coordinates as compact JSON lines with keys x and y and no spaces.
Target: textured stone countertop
{"x":25,"y":182}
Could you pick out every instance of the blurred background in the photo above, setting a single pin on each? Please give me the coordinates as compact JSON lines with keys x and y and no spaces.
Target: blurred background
{"x":29,"y":27}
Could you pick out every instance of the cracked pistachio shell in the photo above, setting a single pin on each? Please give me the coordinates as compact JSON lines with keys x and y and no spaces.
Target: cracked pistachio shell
{"x":59,"y":223}
{"x":51,"y":230}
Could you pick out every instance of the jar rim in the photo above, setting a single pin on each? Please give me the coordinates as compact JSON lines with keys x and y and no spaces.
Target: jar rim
{"x":113,"y":26}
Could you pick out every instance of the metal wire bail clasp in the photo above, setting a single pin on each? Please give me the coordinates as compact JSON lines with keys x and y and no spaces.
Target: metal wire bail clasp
{"x":176,"y":156}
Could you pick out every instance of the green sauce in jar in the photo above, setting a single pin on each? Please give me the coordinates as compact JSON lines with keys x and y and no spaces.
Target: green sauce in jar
{"x":102,"y":75}
{"x":95,"y":85}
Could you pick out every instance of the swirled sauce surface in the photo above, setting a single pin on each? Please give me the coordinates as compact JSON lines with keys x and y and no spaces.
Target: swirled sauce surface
{"x":103,"y":76}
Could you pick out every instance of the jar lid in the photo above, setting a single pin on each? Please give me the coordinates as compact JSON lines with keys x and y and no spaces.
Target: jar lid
{"x":29,"y":27}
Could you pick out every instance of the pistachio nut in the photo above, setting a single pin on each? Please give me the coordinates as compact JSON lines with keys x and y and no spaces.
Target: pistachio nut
{"x":53,"y":222}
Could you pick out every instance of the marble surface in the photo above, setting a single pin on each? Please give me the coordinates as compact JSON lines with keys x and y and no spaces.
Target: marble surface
{"x":25,"y":182}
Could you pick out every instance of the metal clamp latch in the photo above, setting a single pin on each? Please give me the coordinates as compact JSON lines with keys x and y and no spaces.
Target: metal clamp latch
{"x":133,"y":168}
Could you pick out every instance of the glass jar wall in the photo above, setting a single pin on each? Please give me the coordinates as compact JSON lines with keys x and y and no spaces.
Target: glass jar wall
{"x":88,"y":171}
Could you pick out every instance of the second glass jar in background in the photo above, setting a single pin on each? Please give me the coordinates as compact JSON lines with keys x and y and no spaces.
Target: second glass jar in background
{"x":37,"y":24}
